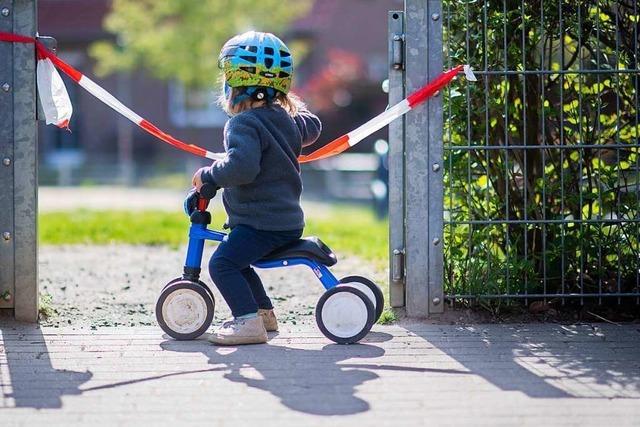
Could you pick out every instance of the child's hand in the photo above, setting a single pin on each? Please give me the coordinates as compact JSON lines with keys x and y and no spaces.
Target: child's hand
{"x":197,"y":179}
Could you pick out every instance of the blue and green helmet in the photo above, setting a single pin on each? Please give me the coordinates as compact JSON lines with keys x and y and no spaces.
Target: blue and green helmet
{"x":256,"y":59}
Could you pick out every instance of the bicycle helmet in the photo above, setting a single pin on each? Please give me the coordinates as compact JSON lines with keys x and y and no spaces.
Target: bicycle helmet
{"x":255,"y":59}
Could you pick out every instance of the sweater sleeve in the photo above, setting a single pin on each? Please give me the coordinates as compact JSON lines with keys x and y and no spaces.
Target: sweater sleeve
{"x":241,"y":165}
{"x":309,"y":126}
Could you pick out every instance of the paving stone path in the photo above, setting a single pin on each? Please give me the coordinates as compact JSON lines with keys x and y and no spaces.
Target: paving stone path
{"x":400,"y":375}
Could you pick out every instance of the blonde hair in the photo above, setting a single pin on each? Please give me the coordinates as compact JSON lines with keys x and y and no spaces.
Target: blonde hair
{"x":290,"y":102}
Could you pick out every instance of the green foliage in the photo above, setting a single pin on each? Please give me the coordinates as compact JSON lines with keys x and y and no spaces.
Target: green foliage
{"x":6,"y":295}
{"x":387,"y":317}
{"x":553,"y":110}
{"x":181,"y":39}
{"x":45,"y":306}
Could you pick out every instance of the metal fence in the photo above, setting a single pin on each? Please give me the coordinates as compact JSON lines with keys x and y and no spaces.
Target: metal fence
{"x":18,"y":154}
{"x":541,"y":160}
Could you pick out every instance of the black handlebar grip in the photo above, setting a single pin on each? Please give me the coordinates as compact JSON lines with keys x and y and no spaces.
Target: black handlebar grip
{"x":208,"y":191}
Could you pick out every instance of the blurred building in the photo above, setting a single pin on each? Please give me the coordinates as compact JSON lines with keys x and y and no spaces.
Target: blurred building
{"x":339,"y":77}
{"x":102,"y":147}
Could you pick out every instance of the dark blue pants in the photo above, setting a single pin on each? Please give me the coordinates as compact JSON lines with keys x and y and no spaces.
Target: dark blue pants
{"x":230,"y":266}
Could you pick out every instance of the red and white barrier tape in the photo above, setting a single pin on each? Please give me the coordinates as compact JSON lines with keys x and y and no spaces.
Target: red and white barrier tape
{"x":342,"y":143}
{"x":334,"y":147}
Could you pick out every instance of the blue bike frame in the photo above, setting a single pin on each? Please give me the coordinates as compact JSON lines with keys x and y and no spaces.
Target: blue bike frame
{"x":198,"y":233}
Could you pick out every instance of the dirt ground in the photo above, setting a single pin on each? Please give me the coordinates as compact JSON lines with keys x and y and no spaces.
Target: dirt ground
{"x":92,"y":286}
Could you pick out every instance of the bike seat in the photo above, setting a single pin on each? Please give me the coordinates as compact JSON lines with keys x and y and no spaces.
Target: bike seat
{"x":308,"y":247}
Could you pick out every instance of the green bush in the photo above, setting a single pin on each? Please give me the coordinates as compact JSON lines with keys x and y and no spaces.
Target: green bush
{"x":547,"y":111}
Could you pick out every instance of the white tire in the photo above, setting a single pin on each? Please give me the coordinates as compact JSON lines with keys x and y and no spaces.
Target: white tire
{"x":345,"y":314}
{"x":185,"y":310}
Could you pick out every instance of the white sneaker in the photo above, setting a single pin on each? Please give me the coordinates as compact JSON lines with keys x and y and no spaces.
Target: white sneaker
{"x":239,"y":332}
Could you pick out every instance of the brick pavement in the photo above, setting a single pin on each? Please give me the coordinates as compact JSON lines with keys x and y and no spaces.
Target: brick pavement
{"x":415,"y":374}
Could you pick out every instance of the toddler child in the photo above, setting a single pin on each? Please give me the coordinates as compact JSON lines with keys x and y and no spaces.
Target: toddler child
{"x":260,"y":176}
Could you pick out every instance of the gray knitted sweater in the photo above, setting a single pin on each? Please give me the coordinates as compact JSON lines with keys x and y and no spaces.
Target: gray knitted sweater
{"x":260,"y":173}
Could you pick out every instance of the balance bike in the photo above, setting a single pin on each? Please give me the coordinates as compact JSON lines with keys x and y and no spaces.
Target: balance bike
{"x":345,"y":312}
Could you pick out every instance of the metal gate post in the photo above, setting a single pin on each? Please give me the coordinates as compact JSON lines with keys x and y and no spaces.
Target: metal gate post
{"x":18,"y":171}
{"x":423,"y":162}
{"x":396,"y":161}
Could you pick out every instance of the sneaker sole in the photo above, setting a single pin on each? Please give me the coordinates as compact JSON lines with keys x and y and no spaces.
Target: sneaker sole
{"x":237,"y":341}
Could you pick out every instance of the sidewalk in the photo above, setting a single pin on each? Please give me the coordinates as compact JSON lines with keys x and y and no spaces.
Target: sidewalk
{"x":418,"y":374}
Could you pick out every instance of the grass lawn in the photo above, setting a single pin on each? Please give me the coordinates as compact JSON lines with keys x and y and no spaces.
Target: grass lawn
{"x":347,"y":230}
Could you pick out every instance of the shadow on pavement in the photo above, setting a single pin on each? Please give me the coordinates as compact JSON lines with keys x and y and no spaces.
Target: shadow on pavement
{"x":546,"y":361}
{"x":540,"y":361}
{"x":305,"y":380}
{"x":27,"y":377}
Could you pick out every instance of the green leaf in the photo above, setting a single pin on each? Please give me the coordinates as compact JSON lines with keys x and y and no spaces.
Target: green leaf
{"x":181,"y":39}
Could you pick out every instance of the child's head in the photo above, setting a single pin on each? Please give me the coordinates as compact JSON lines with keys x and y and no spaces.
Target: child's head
{"x":257,"y":71}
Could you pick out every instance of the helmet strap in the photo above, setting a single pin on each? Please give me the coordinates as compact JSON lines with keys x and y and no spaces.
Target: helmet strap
{"x":262,"y":93}
{"x":256,"y":93}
